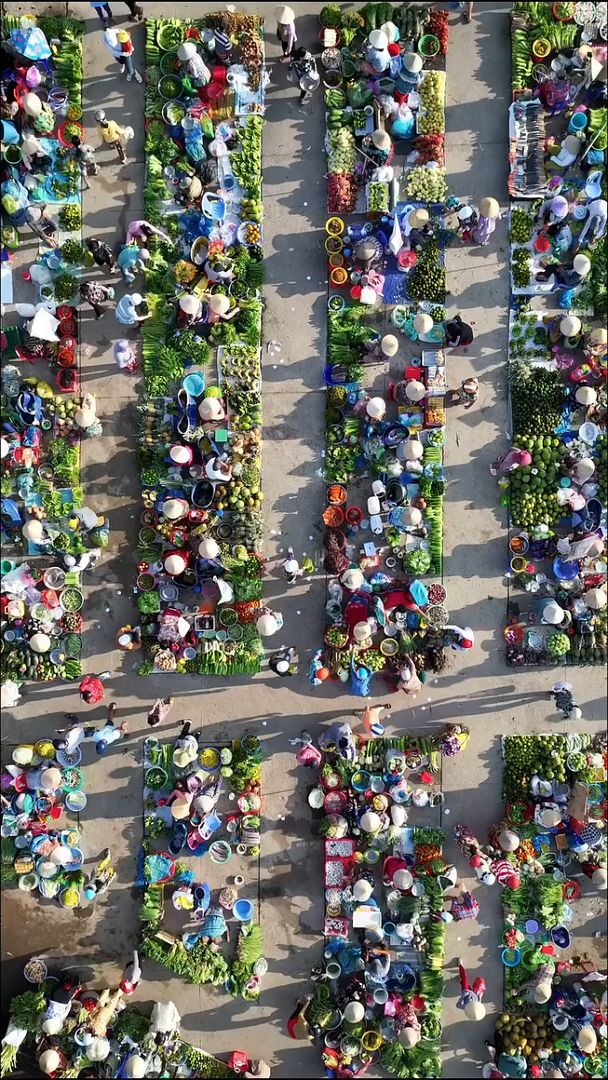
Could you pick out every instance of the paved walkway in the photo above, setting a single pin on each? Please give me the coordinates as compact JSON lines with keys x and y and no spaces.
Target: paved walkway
{"x":478,"y":689}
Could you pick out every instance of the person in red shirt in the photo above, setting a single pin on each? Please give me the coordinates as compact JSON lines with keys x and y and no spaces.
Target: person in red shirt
{"x":91,"y":688}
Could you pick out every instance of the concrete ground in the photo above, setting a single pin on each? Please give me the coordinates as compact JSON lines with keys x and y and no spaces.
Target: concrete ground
{"x":478,"y":689}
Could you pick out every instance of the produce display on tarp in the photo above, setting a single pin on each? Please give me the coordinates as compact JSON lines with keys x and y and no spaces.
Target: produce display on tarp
{"x":200,"y":862}
{"x":390,"y":220}
{"x":553,"y":837}
{"x":48,"y":534}
{"x":377,"y":994}
{"x":43,"y":798}
{"x":61,"y":1028}
{"x":199,"y":564}
{"x":553,"y":477}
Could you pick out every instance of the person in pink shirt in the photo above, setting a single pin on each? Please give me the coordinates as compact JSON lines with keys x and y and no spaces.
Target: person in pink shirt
{"x":143,"y":230}
{"x":513,"y":459}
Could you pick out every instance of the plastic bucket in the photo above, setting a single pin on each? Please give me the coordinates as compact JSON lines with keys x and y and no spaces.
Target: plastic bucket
{"x":243,"y":910}
{"x":578,"y":122}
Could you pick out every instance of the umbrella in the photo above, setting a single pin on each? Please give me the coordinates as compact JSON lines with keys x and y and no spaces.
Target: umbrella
{"x":31,"y":43}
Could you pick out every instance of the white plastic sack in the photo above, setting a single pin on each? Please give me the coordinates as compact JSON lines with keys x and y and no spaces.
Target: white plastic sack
{"x":388,"y":105}
{"x":14,"y":1035}
{"x":396,"y":241}
{"x":165,"y":1018}
{"x":44,"y":325}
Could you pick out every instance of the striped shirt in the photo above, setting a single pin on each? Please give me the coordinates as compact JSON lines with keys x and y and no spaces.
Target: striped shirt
{"x":222,"y":42}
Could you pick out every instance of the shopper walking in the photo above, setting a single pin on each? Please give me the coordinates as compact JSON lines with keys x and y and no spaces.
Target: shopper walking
{"x":102,"y":253}
{"x":126,"y":56}
{"x":91,"y":687}
{"x":104,"y":12}
{"x":135,"y":10}
{"x":85,"y":156}
{"x":160,"y":711}
{"x":304,"y":66}
{"x":370,"y":718}
{"x":291,"y":567}
{"x":96,"y":295}
{"x":470,"y":996}
{"x":110,"y":732}
{"x":286,"y":29}
{"x":284,"y":662}
{"x":112,"y":134}
{"x":561,"y":692}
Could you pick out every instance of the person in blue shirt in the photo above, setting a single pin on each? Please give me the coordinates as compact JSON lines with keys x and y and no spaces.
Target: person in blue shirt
{"x":132,"y":260}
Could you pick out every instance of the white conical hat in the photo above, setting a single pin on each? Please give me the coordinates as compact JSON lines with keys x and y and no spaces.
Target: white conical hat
{"x":414,"y":449}
{"x":208,"y":548}
{"x":489,"y":207}
{"x":414,"y":390}
{"x":391,"y":32}
{"x":211,"y":408}
{"x":412,"y":62}
{"x":32,"y":530}
{"x":175,"y":565}
{"x":423,"y":323}
{"x":542,"y":993}
{"x":190,"y":304}
{"x":570,"y":326}
{"x":402,"y":879}
{"x":267,"y":625}
{"x":389,"y":345}
{"x":599,"y":336}
{"x":475,"y":1010}
{"x":174,"y":509}
{"x":135,"y":1067}
{"x":587,"y":1039}
{"x":376,"y":407}
{"x":353,"y":579}
{"x":581,"y":265}
{"x":32,"y":104}
{"x":586,"y":395}
{"x":553,"y":613}
{"x":381,"y":140}
{"x":186,"y":51}
{"x":4,"y":447}
{"x":410,"y":515}
{"x":595,"y":599}
{"x":371,"y":822}
{"x":40,"y":643}
{"x":584,"y":470}
{"x":219,"y":304}
{"x":284,"y":15}
{"x":378,"y":39}
{"x":49,"y":1062}
{"x":180,"y":455}
{"x":418,"y":217}
{"x":409,"y":1038}
{"x":508,"y":840}
{"x":362,"y":890}
{"x":600,"y":877}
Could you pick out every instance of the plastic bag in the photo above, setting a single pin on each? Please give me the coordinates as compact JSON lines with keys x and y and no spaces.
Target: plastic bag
{"x":396,"y":241}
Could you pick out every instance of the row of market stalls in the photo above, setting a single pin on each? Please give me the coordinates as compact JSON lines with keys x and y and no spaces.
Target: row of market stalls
{"x":553,"y":839}
{"x":386,"y":374}
{"x":554,"y":478}
{"x":49,"y":534}
{"x":199,"y":568}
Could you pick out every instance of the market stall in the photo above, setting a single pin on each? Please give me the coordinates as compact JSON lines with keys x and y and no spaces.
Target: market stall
{"x":553,"y":838}
{"x":377,"y":994}
{"x":200,"y":862}
{"x":42,"y":788}
{"x":386,"y":374}
{"x":61,"y":1028}
{"x":43,"y":416}
{"x":553,"y":478}
{"x":200,"y":420}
